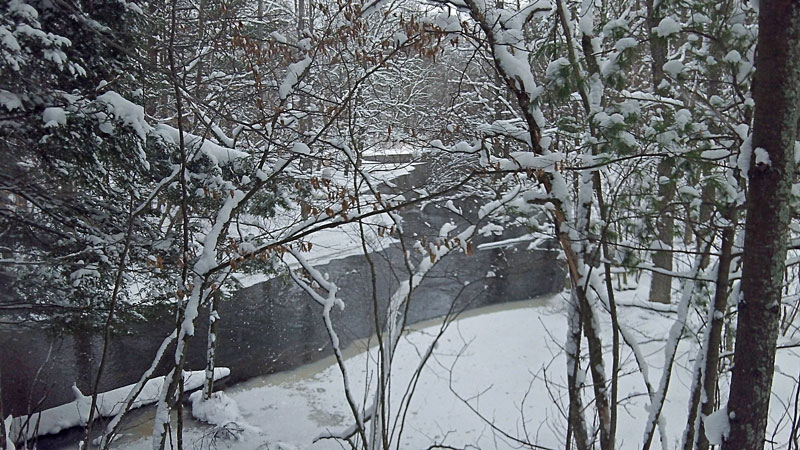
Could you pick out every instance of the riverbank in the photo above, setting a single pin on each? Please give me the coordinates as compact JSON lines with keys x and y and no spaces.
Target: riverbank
{"x":496,"y":378}
{"x":288,"y":409}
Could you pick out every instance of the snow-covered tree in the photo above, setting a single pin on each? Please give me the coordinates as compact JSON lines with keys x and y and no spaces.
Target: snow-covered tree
{"x":76,"y":158}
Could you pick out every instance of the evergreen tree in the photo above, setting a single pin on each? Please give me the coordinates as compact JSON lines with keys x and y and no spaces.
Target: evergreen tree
{"x":76,"y":159}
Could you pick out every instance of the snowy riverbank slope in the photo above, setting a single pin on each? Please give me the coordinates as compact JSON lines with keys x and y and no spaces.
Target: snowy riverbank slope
{"x":506,"y":365}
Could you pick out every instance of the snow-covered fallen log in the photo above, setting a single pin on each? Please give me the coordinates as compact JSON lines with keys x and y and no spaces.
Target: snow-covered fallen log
{"x":76,"y":413}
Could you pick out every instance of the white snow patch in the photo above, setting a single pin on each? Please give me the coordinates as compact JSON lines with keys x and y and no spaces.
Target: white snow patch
{"x":54,"y":116}
{"x":625,"y":43}
{"x":673,"y":67}
{"x":446,"y":229}
{"x":555,"y":67}
{"x":688,"y":191}
{"x":668,"y":26}
{"x":586,"y":24}
{"x":742,"y":130}
{"x":762,"y":157}
{"x":6,"y":424}
{"x":301,"y":148}
{"x":399,"y":38}
{"x":745,"y":154}
{"x":128,"y":112}
{"x":530,"y":161}
{"x":717,"y":426}
{"x":715,"y":154}
{"x":295,"y":406}
{"x":733,"y":57}
{"x":517,"y":67}
{"x":278,"y":37}
{"x":220,"y":410}
{"x":10,"y":100}
{"x":216,"y":153}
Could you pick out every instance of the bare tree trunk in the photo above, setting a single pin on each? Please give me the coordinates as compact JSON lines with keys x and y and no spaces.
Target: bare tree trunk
{"x":307,"y":164}
{"x":576,"y":254}
{"x":715,"y":333}
{"x":704,"y":395}
{"x":200,"y":66}
{"x":612,"y":306}
{"x":705,"y":382}
{"x":260,"y":25}
{"x":576,"y":425}
{"x":580,"y":274}
{"x":661,"y":284}
{"x":670,"y":349}
{"x":173,"y":382}
{"x":776,"y":91}
{"x":590,"y":254}
{"x":211,"y":349}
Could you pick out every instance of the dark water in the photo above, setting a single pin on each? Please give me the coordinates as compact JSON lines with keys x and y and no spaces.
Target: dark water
{"x":274,"y":326}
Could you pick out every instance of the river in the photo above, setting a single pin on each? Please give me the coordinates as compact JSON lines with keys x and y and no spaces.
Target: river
{"x":273,"y":326}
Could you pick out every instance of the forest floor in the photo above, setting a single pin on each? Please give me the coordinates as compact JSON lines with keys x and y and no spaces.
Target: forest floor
{"x":496,"y":379}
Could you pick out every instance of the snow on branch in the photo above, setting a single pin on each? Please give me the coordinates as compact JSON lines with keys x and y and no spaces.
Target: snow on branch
{"x":293,"y":75}
{"x":128,"y":112}
{"x":218,"y":154}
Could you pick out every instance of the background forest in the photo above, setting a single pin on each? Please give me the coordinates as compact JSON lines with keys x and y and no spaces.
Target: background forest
{"x":155,"y":154}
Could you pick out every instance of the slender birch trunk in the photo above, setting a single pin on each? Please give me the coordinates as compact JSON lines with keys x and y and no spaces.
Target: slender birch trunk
{"x":211,"y":348}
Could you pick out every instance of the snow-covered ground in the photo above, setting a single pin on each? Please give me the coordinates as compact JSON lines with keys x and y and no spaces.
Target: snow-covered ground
{"x":504,"y":364}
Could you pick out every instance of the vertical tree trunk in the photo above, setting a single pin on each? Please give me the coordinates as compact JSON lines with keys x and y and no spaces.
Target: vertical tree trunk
{"x":260,"y":25}
{"x":576,"y":253}
{"x":499,"y":144}
{"x":715,"y":333}
{"x":84,"y":356}
{"x":776,"y":91}
{"x":606,"y":408}
{"x":211,"y":349}
{"x":705,"y":383}
{"x":200,"y":66}
{"x":576,"y":427}
{"x":702,"y":402}
{"x":303,"y":124}
{"x":173,"y":382}
{"x":661,"y":285}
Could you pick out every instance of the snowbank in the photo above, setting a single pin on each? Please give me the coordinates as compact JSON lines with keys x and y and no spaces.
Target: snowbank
{"x":53,"y":420}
